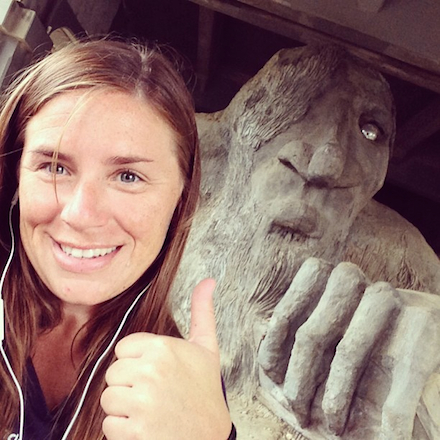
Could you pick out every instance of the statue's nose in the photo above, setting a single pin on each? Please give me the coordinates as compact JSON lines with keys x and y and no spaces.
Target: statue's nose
{"x":319,"y":161}
{"x":326,"y":165}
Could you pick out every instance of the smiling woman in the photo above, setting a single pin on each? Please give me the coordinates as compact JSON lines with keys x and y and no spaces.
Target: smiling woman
{"x":100,"y":144}
{"x":109,"y":164}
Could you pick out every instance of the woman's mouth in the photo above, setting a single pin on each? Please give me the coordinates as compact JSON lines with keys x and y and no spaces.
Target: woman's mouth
{"x":87,"y":253}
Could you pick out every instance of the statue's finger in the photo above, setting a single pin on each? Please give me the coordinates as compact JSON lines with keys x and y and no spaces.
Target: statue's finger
{"x":319,"y":336}
{"x":368,"y":325}
{"x":290,"y":313}
{"x":414,"y":363}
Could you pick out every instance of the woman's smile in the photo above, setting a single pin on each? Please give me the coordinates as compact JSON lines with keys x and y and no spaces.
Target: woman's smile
{"x":87,"y":252}
{"x":84,"y":259}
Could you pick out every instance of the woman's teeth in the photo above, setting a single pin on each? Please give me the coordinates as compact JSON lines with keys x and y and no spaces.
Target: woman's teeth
{"x":87,"y":253}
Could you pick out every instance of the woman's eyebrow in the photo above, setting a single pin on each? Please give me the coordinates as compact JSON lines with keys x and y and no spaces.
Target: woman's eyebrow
{"x":125,"y":160}
{"x":115,"y":160}
{"x":49,"y":153}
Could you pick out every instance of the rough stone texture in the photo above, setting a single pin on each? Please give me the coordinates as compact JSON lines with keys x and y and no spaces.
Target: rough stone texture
{"x":289,"y":169}
{"x":87,"y":12}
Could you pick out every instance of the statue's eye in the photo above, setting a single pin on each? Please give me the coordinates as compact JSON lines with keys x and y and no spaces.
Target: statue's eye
{"x":371,"y":131}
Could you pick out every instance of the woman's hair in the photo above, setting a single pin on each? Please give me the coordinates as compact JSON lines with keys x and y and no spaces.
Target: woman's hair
{"x":30,"y":308}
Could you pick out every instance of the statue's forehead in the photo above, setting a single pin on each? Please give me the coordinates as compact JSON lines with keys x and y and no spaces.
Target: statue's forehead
{"x":369,"y":83}
{"x":361,"y":92}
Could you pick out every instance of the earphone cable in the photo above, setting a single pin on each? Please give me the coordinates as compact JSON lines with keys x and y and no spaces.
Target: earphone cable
{"x":99,"y":360}
{"x":18,"y":436}
{"x":5,"y":270}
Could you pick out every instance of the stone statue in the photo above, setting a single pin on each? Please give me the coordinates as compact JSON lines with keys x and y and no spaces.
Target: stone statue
{"x":312,"y":319}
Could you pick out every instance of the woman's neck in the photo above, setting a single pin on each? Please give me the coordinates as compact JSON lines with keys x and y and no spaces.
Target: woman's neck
{"x":57,"y":355}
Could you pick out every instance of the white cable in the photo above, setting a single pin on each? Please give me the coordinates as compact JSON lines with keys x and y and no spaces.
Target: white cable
{"x":98,"y":362}
{"x":5,"y":270}
{"x":18,"y":436}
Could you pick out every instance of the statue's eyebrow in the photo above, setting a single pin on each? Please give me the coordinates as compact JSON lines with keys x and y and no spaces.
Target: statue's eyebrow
{"x":382,"y":115}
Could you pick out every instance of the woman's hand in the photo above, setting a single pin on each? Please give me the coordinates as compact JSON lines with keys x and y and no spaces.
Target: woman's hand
{"x":162,"y":387}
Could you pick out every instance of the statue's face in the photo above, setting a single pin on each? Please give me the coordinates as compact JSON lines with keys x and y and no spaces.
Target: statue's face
{"x":313,"y":179}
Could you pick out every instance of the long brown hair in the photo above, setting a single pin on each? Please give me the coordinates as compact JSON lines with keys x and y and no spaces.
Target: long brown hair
{"x":29,"y":307}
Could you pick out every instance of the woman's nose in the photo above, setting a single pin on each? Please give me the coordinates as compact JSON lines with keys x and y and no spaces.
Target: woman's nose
{"x":82,"y":206}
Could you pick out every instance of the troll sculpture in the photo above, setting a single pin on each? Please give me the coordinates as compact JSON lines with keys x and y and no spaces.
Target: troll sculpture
{"x":312,"y":318}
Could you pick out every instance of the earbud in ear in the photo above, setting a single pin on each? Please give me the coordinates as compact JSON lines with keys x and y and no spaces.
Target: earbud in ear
{"x":15,"y":198}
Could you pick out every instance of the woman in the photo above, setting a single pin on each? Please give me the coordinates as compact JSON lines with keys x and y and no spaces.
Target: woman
{"x":100,"y":146}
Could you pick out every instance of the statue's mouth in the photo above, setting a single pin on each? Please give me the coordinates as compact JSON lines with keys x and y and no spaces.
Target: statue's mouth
{"x":299,"y":218}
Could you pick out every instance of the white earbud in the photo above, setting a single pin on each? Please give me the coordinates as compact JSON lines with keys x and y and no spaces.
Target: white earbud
{"x":15,"y":198}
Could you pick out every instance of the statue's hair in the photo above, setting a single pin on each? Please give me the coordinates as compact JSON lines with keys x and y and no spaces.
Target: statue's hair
{"x":281,"y":93}
{"x":30,"y":308}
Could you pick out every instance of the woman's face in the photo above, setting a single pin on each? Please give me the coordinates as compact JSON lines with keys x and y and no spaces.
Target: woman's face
{"x":93,"y":231}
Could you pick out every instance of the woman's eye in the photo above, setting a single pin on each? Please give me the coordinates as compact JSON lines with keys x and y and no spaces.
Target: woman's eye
{"x":54,"y":168}
{"x":129,"y":177}
{"x":371,"y":131}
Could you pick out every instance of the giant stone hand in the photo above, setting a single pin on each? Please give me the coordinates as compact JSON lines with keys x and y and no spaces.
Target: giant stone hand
{"x":333,"y":333}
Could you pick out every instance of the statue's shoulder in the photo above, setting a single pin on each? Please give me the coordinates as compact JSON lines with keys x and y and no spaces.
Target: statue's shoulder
{"x":377,"y":222}
{"x":388,"y":247}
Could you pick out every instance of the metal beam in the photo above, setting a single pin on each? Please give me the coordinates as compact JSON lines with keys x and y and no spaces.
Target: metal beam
{"x":307,"y":35}
{"x":21,"y":36}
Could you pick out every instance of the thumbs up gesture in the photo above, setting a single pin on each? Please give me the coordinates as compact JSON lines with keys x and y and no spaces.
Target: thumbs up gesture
{"x":162,"y":387}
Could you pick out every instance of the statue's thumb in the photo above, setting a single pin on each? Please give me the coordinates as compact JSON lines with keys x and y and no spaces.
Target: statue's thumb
{"x":203,"y":329}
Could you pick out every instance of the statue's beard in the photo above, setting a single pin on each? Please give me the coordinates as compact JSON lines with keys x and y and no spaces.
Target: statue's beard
{"x":261,"y":274}
{"x":254,"y":262}
{"x":278,"y":253}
